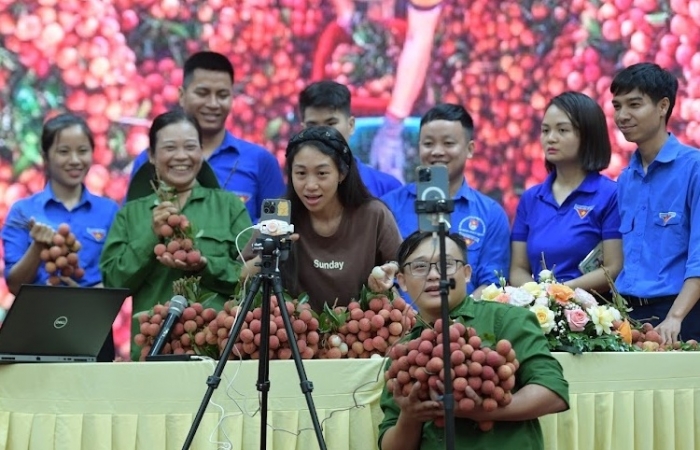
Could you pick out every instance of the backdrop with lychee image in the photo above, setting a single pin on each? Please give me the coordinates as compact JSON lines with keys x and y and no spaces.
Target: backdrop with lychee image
{"x":119,"y":63}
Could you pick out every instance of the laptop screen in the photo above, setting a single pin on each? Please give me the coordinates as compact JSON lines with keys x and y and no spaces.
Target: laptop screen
{"x":60,"y":321}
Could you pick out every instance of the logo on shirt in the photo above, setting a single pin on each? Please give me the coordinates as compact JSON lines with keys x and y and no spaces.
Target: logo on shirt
{"x":330,"y":265}
{"x":667,"y":216}
{"x":97,"y":233}
{"x":583,"y":210}
{"x":472,"y":229}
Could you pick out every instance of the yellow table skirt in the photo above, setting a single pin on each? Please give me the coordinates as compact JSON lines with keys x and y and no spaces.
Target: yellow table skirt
{"x":635,"y":401}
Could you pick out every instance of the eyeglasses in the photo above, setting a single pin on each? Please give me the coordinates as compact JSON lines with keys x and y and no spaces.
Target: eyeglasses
{"x":422,"y":268}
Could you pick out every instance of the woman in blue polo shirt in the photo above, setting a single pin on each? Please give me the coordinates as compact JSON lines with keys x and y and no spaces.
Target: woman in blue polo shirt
{"x":67,"y":145}
{"x":560,"y":221}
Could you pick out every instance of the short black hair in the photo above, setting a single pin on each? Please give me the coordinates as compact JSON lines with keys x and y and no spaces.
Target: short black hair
{"x":168,"y":118}
{"x":651,"y":80}
{"x":588,"y":120}
{"x":452,"y":113}
{"x":409,"y":245}
{"x":53,"y":127}
{"x":213,"y":61}
{"x":325,"y":94}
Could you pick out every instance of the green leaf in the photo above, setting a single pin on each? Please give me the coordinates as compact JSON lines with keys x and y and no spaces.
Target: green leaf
{"x":272,"y":129}
{"x":208,"y":300}
{"x":199,"y":234}
{"x":137,"y":314}
{"x":303,"y":298}
{"x":488,"y":340}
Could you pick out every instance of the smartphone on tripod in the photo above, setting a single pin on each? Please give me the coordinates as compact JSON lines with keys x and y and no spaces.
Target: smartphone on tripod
{"x":432,"y":185}
{"x":276,"y":217}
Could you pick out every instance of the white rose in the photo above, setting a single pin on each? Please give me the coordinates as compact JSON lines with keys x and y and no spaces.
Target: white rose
{"x":545,"y":317}
{"x":520,"y":297}
{"x":542,"y":301}
{"x":490,"y":292}
{"x":546,"y":275}
{"x":584,"y":298}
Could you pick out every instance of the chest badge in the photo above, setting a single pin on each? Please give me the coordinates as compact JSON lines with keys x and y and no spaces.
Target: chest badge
{"x":97,"y":233}
{"x":667,"y":216}
{"x":582,"y":210}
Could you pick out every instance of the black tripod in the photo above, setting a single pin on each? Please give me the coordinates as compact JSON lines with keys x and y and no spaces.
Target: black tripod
{"x":272,"y":250}
{"x":437,"y":208}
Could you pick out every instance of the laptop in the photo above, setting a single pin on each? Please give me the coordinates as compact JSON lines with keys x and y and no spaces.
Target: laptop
{"x":58,"y":324}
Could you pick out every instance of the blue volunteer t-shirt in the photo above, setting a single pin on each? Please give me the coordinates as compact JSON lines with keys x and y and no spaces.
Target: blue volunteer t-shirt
{"x":90,"y":221}
{"x":243,"y":168}
{"x":479,"y":219}
{"x":378,"y":183}
{"x":566,"y":233}
{"x":660,"y":217}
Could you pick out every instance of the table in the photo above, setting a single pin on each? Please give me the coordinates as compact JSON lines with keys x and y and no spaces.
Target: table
{"x":622,"y":401}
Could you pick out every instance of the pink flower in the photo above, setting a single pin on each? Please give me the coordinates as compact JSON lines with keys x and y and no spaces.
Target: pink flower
{"x":577,"y":319}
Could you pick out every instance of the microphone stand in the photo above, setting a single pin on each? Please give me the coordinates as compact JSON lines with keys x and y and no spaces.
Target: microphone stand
{"x":272,"y":249}
{"x":438,"y":208}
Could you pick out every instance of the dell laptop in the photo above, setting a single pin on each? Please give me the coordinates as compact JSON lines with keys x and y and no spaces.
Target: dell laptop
{"x":58,"y":324}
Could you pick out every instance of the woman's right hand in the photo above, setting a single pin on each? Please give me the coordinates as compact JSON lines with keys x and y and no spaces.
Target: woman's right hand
{"x":41,"y":233}
{"x":161,"y":214}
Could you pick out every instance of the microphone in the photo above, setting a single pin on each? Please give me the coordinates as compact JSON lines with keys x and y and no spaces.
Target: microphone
{"x":177,"y":305}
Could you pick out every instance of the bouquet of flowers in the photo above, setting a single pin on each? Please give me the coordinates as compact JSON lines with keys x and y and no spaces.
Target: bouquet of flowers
{"x":572,"y":320}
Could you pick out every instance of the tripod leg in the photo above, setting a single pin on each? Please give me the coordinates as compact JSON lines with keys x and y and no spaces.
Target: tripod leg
{"x":306,"y":386}
{"x":263,"y":384}
{"x":214,"y":380}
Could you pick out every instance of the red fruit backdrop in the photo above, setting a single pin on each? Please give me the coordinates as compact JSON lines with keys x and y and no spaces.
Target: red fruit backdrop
{"x":118,"y":62}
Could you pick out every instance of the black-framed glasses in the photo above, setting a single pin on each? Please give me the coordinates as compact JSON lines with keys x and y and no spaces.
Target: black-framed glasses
{"x":422,"y":268}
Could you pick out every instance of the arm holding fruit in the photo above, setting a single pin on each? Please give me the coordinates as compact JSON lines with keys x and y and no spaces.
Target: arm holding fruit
{"x":409,"y":413}
{"x":23,"y":249}
{"x":222,"y":271}
{"x":540,"y":387}
{"x":530,"y":402}
{"x":388,"y":241}
{"x":127,"y":258}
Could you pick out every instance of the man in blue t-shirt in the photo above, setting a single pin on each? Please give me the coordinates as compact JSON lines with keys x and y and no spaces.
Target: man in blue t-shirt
{"x":328,"y":103}
{"x":246,"y":169}
{"x":659,"y":201}
{"x":446,"y":137}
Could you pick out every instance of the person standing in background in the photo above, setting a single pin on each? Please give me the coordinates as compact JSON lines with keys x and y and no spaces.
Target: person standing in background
{"x":328,"y":103}
{"x":659,"y":201}
{"x":246,"y":169}
{"x":563,"y":219}
{"x":67,"y":146}
{"x":446,"y":137}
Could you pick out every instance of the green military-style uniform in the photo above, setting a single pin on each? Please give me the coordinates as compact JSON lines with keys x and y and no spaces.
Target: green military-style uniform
{"x":128,"y":259}
{"x":537,"y":366}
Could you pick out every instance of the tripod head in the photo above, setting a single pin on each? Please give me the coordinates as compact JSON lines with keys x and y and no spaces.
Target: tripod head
{"x":272,"y":250}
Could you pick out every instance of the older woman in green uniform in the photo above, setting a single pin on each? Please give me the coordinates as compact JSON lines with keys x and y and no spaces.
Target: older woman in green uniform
{"x":128,"y":259}
{"x":540,"y":385}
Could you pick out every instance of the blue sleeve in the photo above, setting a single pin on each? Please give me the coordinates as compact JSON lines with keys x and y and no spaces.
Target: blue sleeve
{"x":15,"y":239}
{"x":390,"y":183}
{"x":271,"y":183}
{"x":611,"y":218}
{"x":140,"y":160}
{"x":495,"y":256}
{"x":692,"y":265}
{"x":521,"y":229}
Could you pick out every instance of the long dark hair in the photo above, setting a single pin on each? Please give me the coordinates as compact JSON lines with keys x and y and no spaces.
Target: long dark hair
{"x":352,"y":192}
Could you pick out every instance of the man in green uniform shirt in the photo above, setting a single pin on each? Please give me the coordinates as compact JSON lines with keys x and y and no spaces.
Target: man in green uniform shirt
{"x":540,"y":385}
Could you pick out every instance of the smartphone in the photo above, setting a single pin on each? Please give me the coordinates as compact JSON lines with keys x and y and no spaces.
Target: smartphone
{"x":593,"y":260}
{"x":276,"y":217}
{"x":432,"y":185}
